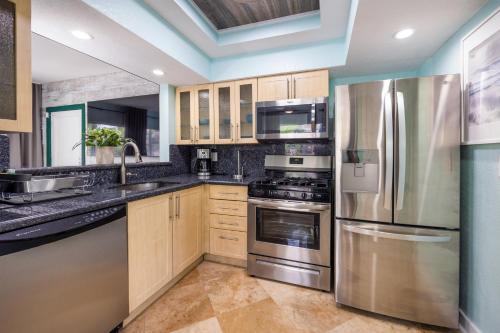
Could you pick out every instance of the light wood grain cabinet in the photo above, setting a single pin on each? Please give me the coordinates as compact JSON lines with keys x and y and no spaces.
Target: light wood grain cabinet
{"x":245,"y":92}
{"x":203,"y":114}
{"x":15,"y":54}
{"x":149,"y":247}
{"x":289,"y":86}
{"x":228,"y":243}
{"x":226,"y":192}
{"x":184,"y":116}
{"x":224,"y":113}
{"x":187,"y":228}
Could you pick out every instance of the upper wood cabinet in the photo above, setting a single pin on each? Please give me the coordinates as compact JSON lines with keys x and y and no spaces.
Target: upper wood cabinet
{"x":203,"y":114}
{"x":299,"y":85}
{"x":15,"y":72}
{"x":149,"y":247}
{"x":272,"y":88}
{"x":184,"y":115}
{"x":224,"y":112}
{"x":245,"y":96}
{"x":187,"y":228}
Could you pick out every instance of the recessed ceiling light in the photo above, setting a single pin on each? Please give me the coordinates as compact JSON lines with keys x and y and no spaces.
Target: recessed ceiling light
{"x":158,"y":72}
{"x":405,"y":33}
{"x":82,"y":35}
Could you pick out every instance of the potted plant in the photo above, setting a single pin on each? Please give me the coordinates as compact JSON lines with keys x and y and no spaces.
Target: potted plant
{"x":105,"y":140}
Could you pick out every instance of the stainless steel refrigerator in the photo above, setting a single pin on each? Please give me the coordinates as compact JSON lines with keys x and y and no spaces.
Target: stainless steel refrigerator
{"x":397,"y":198}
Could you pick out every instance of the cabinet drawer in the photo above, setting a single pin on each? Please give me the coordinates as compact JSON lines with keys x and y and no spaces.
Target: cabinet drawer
{"x":224,"y":192}
{"x":228,"y":222}
{"x":228,"y":243}
{"x":224,"y":207}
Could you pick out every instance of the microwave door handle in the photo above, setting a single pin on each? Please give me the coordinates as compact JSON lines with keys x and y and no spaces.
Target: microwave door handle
{"x":397,"y":236}
{"x":313,"y":118}
{"x":389,"y":158}
{"x":400,"y":106}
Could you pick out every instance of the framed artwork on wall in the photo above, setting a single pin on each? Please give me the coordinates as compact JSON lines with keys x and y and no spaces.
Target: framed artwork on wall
{"x":481,"y":83}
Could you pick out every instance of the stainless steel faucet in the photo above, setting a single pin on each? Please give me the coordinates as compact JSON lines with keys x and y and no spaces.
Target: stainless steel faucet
{"x":138,"y":159}
{"x":239,"y":174}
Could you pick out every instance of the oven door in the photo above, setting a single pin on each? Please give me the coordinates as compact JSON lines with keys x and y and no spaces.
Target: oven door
{"x":292,"y":230}
{"x":292,"y":119}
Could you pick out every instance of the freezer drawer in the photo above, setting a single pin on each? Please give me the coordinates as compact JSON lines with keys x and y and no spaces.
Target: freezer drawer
{"x":404,"y":272}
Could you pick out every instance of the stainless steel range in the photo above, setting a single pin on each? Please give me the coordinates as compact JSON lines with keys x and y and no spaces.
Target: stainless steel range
{"x":289,"y":221}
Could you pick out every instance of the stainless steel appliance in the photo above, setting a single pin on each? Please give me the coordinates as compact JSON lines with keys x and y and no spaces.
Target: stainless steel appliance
{"x":397,"y":198}
{"x":292,"y":119}
{"x":26,"y":188}
{"x":289,"y":221}
{"x":68,"y":275}
{"x":203,"y":162}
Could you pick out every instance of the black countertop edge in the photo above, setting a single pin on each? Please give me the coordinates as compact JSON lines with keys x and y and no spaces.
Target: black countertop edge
{"x":16,"y":217}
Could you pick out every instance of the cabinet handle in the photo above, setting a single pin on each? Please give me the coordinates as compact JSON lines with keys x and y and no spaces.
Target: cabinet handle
{"x":287,"y":88}
{"x":191,"y":134}
{"x":232,"y":209}
{"x":229,"y":193}
{"x":238,"y":131}
{"x":226,"y":223}
{"x":229,"y":238}
{"x":294,"y":85}
{"x":178,"y":206}
{"x":170,"y":208}
{"x":232,"y":133}
{"x":197,"y":133}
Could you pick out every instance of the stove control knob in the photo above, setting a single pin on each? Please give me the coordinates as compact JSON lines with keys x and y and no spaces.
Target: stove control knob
{"x":304,"y":195}
{"x":286,"y":194}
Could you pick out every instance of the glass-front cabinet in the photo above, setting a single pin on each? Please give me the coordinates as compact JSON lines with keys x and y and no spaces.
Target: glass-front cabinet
{"x":203,"y":114}
{"x":245,"y":97}
{"x":184,"y":116}
{"x":224,"y":112}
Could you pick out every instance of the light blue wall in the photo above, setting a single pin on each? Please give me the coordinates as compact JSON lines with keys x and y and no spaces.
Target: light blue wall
{"x":480,"y":202}
{"x":167,"y":120}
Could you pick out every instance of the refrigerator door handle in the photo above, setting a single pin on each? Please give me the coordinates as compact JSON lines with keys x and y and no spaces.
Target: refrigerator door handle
{"x":397,"y":236}
{"x":389,"y":144}
{"x":400,"y":106}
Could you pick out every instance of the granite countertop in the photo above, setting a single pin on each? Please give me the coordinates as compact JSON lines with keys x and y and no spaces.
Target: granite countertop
{"x":15,"y":217}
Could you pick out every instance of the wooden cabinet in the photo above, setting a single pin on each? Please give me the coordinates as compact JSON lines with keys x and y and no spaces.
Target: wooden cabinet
{"x":310,"y":84}
{"x":224,"y":112}
{"x":227,"y":206}
{"x":203,"y":114}
{"x":228,"y":243}
{"x":184,"y":116}
{"x":15,"y":52}
{"x":187,"y":228}
{"x":298,"y":85}
{"x":272,"y":88}
{"x":245,"y":96}
{"x":149,"y":247}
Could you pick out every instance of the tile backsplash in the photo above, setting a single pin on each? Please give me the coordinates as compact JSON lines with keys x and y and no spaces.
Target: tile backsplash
{"x":4,"y":151}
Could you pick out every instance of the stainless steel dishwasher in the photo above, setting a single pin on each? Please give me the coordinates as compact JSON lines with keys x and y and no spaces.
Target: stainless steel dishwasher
{"x":68,"y":275}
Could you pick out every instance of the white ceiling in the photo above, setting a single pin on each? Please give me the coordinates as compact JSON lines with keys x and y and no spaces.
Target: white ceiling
{"x":334,"y":15}
{"x":52,"y":61}
{"x":113,"y":44}
{"x":373,"y":50}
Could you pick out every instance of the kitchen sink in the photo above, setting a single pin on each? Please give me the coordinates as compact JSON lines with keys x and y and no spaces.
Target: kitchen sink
{"x":143,"y":186}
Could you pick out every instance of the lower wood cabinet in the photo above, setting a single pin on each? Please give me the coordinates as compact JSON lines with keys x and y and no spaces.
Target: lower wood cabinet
{"x":164,"y":238}
{"x":187,"y":228}
{"x":149,"y":247}
{"x":228,"y":243}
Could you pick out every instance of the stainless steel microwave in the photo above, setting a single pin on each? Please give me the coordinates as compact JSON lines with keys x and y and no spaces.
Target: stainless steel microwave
{"x":292,"y":119}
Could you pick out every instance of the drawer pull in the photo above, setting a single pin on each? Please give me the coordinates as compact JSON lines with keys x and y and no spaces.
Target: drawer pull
{"x":226,"y":223}
{"x":229,"y":193}
{"x":233,"y":209}
{"x":229,"y":238}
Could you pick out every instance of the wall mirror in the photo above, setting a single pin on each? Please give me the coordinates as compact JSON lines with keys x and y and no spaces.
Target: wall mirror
{"x":74,"y":93}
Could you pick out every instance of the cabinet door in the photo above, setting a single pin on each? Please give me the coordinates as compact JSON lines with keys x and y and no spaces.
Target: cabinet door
{"x":184,"y":116}
{"x":224,"y":112}
{"x":15,"y":72}
{"x":245,"y":97}
{"x":273,"y":88}
{"x":149,"y":247}
{"x":310,"y":84}
{"x":204,"y":114}
{"x":228,"y":243}
{"x":187,"y":242}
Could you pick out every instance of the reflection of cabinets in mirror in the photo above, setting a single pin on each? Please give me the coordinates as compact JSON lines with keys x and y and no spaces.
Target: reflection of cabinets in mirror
{"x":15,"y":54}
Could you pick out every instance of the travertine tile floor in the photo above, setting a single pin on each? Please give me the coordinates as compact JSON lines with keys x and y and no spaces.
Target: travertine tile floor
{"x":216,"y":298}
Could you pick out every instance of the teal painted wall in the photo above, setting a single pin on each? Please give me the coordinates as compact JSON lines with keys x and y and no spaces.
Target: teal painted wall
{"x":480,"y":201}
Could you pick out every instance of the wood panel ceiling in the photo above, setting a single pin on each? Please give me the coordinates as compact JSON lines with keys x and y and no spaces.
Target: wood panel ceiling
{"x":232,"y":13}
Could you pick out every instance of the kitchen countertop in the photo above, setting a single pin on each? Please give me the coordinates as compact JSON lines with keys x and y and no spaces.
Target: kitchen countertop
{"x":15,"y":217}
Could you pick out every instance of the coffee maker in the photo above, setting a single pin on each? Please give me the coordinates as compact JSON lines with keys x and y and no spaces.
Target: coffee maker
{"x":203,"y":162}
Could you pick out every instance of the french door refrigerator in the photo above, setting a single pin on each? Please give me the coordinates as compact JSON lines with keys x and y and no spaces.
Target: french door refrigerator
{"x":397,"y":198}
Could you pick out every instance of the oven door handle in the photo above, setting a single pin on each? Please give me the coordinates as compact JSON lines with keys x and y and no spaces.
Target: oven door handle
{"x":298,"y":206}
